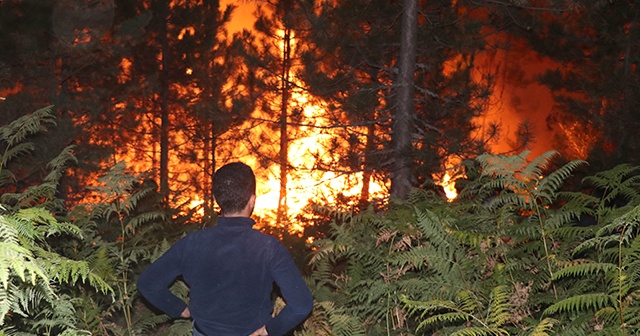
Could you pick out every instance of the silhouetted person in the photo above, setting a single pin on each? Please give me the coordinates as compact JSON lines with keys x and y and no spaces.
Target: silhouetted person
{"x":230,"y":270}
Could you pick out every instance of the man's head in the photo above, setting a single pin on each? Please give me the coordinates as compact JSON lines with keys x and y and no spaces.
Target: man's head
{"x":233,"y":186}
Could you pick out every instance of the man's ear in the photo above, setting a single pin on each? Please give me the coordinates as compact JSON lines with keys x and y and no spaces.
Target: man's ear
{"x":252,"y":202}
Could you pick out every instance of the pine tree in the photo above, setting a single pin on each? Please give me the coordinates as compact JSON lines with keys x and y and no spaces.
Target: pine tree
{"x":273,"y":54}
{"x":225,"y":100}
{"x":354,"y":64}
{"x":59,"y":52}
{"x":183,"y":101}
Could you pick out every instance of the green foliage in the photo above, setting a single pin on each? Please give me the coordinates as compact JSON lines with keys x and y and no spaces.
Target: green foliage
{"x":508,"y":257}
{"x":125,"y":229}
{"x":33,"y":274}
{"x":14,"y":136}
{"x":72,"y":272}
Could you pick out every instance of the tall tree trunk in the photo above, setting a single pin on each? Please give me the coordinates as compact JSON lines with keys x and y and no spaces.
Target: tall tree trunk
{"x":284,"y":137}
{"x":212,"y":166}
{"x":401,"y":174}
{"x":211,"y":24}
{"x":367,"y":170}
{"x":164,"y":104}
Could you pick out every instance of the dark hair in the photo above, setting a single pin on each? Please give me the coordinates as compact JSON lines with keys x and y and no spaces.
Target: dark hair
{"x":233,"y":185}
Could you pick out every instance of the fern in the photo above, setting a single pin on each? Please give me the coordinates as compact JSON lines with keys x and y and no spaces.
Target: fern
{"x":467,"y":310}
{"x":30,"y":271}
{"x":13,"y":138}
{"x":327,"y":320}
{"x":544,"y":328}
{"x":594,"y":302}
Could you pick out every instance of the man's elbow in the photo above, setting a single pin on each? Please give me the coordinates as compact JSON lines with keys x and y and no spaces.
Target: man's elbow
{"x":143,"y":284}
{"x":305,"y":306}
{"x":147,"y":286}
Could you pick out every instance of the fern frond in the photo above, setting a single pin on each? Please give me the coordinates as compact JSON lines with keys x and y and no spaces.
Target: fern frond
{"x":535,"y":168}
{"x":584,"y":269}
{"x":143,"y":218}
{"x":16,"y":259}
{"x":29,"y":124}
{"x":500,"y":308}
{"x":501,"y":165}
{"x":69,"y":271}
{"x":58,"y":165}
{"x":580,"y":303}
{"x":6,"y":177}
{"x":627,"y":226}
{"x":517,"y":200}
{"x":468,"y":301}
{"x":549,"y":185}
{"x":16,"y":151}
{"x":599,"y":243}
{"x":480,"y":331}
{"x":620,"y":181}
{"x":455,"y":317}
{"x":339,"y":321}
{"x":545,"y":327}
{"x":61,"y":314}
{"x":179,"y":327}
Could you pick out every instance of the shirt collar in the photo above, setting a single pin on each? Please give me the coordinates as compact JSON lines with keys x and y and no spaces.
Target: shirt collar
{"x":236,"y":221}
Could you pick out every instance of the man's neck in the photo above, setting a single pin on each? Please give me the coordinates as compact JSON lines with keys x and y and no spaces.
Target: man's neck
{"x":244,"y":213}
{"x":234,"y":215}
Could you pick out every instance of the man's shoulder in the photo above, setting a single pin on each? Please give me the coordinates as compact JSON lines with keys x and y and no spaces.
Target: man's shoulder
{"x":264,"y":236}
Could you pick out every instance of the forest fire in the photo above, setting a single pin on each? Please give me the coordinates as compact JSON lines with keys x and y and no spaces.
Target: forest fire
{"x":306,"y":152}
{"x":308,"y":149}
{"x":360,"y":120}
{"x":516,"y":97}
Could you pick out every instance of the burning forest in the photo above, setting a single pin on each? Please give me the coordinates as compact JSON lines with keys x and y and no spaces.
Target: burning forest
{"x":305,"y":91}
{"x":342,"y":108}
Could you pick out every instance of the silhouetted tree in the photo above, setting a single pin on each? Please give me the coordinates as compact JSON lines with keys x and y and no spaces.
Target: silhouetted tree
{"x":355,"y":64}
{"x":273,"y":56}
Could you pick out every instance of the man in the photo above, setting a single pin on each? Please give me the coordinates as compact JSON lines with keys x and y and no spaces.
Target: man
{"x":230,"y":270}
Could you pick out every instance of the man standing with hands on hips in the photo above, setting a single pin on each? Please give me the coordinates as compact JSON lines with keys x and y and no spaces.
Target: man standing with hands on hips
{"x":230,"y":270}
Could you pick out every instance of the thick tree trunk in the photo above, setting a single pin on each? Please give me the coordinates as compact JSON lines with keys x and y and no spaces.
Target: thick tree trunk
{"x":401,"y":174}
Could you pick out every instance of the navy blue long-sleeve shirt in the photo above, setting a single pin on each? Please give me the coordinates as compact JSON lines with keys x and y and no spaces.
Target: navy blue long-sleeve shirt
{"x":230,"y":270}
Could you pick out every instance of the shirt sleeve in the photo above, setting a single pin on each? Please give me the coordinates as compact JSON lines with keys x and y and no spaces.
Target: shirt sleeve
{"x":155,"y":281}
{"x":296,"y":294}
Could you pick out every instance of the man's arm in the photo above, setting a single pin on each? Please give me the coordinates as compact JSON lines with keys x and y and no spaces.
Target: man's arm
{"x":155,"y":281}
{"x":295,"y":293}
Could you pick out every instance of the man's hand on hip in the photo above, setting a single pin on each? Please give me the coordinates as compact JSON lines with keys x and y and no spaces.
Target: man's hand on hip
{"x":260,"y":332}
